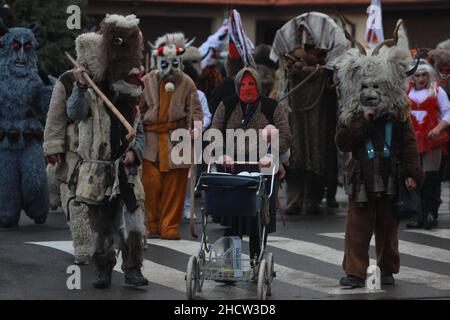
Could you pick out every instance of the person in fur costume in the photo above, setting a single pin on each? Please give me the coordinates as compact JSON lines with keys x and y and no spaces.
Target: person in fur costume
{"x":107,"y":178}
{"x":61,"y":141}
{"x":374,"y":114}
{"x":24,"y":100}
{"x":170,"y":101}
{"x":266,"y":68}
{"x":306,"y":41}
{"x":441,"y":61}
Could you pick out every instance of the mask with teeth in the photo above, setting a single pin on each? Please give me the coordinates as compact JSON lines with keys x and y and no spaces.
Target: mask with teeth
{"x":17,"y":51}
{"x":168,"y":52}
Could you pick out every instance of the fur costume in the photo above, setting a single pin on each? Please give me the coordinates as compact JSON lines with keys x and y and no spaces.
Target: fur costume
{"x":441,"y":59}
{"x":302,"y":43}
{"x":111,"y":189}
{"x":266,"y":68}
{"x":23,"y":106}
{"x":375,"y":80}
{"x":170,"y":98}
{"x":61,"y":138}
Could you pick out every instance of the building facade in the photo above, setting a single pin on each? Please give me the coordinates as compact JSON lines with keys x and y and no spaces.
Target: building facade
{"x":427,"y":21}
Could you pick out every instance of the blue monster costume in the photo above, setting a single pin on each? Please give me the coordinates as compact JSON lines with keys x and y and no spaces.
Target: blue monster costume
{"x":24,"y":101}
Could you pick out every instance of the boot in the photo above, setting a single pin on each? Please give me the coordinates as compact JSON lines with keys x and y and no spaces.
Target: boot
{"x":134,"y":276}
{"x":429,"y":221}
{"x":104,"y":264}
{"x":431,"y":191}
{"x":437,"y":197}
{"x":103,"y":277}
{"x":352,"y":282}
{"x":387,"y":279}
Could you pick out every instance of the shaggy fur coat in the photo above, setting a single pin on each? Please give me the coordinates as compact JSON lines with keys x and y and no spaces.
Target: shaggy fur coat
{"x":183,"y":99}
{"x":23,"y":106}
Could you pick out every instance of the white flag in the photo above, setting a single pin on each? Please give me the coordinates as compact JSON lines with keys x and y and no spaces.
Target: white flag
{"x":374,"y":27}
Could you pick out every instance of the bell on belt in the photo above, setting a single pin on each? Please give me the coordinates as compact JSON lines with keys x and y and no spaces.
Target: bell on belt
{"x":361,"y":196}
{"x":391,"y":190}
{"x":378,"y":184}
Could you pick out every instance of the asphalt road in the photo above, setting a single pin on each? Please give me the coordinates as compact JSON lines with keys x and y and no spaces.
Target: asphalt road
{"x":307,"y":251}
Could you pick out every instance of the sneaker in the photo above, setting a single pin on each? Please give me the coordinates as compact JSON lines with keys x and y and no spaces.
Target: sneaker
{"x":352,"y":282}
{"x":135,"y":277}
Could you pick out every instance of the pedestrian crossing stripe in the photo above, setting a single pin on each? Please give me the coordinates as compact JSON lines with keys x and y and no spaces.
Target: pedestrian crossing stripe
{"x":416,"y":276}
{"x":162,"y":275}
{"x":439,"y":233}
{"x":174,"y":279}
{"x":285,"y":274}
{"x":409,"y":248}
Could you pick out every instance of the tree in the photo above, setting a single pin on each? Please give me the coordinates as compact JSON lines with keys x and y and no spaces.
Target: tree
{"x":51,"y":15}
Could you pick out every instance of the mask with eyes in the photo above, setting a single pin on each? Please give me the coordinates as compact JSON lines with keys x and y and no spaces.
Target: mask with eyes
{"x":17,"y":51}
{"x":168,"y":52}
{"x":169,"y":66}
{"x":121,"y":49}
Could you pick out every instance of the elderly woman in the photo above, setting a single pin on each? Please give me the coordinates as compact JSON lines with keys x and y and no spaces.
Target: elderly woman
{"x":430,"y":113}
{"x":250,"y":110}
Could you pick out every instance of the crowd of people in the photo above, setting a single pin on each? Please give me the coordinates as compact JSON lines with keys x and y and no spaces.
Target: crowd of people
{"x":105,"y":133}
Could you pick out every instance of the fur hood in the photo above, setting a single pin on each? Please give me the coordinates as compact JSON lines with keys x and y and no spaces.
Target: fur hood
{"x":441,"y":57}
{"x":87,"y":49}
{"x":385,"y":72}
{"x":240,"y":75}
{"x":444,"y":45}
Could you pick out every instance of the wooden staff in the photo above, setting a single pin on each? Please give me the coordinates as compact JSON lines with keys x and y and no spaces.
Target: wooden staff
{"x":131,"y":132}
{"x":192,"y":176}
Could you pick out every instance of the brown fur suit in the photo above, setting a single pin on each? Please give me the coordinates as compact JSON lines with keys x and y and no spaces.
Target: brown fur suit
{"x":376,"y":80}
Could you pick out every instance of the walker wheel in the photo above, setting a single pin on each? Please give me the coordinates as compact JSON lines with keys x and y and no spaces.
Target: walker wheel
{"x":192,"y":281}
{"x":270,"y":272}
{"x":262,"y":280}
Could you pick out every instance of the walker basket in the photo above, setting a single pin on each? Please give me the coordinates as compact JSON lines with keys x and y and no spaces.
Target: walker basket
{"x":231,"y":195}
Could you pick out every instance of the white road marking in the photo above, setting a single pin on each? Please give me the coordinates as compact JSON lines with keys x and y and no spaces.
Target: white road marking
{"x":311,"y":281}
{"x":439,"y":233}
{"x":163,"y":275}
{"x":333,"y":256}
{"x":410,"y":248}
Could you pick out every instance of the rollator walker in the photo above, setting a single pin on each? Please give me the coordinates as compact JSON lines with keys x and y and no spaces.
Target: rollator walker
{"x":233,"y":195}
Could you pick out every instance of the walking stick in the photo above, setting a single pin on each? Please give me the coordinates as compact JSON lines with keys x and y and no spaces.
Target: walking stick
{"x":131,"y":132}
{"x":192,"y":176}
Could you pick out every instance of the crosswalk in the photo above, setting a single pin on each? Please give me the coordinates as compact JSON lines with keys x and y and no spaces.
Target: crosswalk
{"x":311,"y":264}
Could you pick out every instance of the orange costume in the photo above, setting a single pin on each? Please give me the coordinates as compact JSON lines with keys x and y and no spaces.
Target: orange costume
{"x":170,"y":102}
